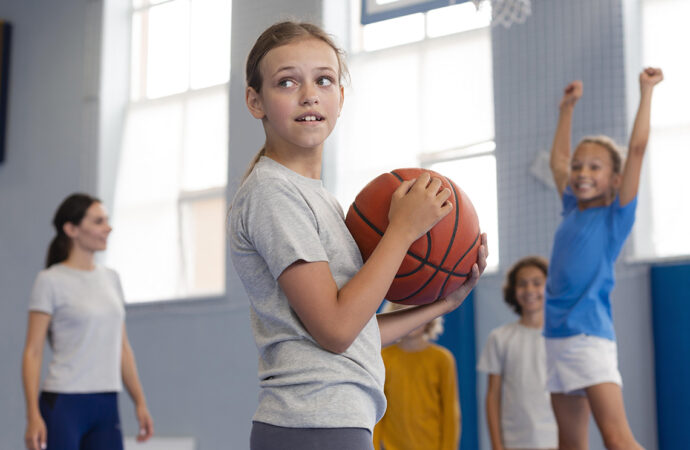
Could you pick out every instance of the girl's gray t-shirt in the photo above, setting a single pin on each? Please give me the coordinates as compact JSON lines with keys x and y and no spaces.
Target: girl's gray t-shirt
{"x":85,"y":332}
{"x":279,"y":217}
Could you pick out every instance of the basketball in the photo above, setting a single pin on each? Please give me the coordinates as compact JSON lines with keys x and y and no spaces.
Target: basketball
{"x":436,"y":263}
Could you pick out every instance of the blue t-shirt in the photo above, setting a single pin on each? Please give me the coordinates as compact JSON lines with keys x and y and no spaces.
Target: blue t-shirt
{"x":581,"y":278}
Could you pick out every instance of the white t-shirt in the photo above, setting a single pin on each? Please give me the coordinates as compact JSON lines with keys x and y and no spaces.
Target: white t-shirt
{"x":85,"y":333}
{"x":518,"y":354}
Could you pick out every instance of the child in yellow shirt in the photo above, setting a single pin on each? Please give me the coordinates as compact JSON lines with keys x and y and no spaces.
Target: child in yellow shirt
{"x":421,"y":388}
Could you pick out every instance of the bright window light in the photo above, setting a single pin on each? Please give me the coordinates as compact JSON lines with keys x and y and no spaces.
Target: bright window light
{"x":389,"y":33}
{"x":476,"y":176}
{"x":457,"y":18}
{"x":661,"y":230}
{"x":168,"y":49}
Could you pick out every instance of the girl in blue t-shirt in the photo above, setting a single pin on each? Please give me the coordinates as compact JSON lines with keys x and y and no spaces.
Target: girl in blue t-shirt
{"x":599,"y":196}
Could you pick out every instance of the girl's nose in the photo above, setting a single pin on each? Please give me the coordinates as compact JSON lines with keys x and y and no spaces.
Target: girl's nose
{"x":309,"y":97}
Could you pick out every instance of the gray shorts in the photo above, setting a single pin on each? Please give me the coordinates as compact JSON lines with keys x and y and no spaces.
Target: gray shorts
{"x":271,"y":437}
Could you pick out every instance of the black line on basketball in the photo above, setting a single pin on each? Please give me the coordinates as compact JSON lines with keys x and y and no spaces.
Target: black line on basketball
{"x":460,"y":260}
{"x":445,"y":256}
{"x":366,"y":221}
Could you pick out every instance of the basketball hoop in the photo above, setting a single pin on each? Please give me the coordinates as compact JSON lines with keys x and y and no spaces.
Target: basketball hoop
{"x":507,"y":12}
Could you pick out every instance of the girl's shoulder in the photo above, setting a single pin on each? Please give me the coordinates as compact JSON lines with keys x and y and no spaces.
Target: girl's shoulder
{"x":440,"y":351}
{"x":506,"y":329}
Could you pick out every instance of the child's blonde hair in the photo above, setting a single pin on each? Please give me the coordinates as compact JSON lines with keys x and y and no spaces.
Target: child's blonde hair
{"x":433,"y":329}
{"x":609,"y":144}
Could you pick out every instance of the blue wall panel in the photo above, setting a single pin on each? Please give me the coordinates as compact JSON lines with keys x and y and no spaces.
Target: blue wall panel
{"x":458,"y":337}
{"x":671,"y":322}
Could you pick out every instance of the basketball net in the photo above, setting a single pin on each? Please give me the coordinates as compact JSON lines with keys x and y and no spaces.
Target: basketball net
{"x":507,"y":12}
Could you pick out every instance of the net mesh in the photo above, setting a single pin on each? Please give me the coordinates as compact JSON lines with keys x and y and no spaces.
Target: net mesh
{"x":507,"y":12}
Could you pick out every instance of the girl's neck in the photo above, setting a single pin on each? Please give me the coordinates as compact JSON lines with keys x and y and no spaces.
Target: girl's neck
{"x":80,"y":259}
{"x":532,"y":319}
{"x":413,"y":344}
{"x":306,"y":162}
{"x":597,"y":203}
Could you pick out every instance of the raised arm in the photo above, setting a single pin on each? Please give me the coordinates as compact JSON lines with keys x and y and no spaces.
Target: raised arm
{"x":560,"y":149}
{"x":36,"y":436}
{"x":630,"y":181}
{"x":130,"y":378}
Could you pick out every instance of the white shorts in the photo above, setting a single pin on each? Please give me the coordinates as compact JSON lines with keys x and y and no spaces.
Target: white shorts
{"x":576,"y":362}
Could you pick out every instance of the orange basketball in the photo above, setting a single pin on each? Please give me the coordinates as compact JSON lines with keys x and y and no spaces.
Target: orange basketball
{"x":438,"y":262}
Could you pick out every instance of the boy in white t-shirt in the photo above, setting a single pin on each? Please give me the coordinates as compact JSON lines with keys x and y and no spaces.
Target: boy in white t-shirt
{"x":518,"y":406}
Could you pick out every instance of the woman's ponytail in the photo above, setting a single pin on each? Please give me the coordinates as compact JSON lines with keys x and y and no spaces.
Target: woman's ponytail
{"x":58,"y":250}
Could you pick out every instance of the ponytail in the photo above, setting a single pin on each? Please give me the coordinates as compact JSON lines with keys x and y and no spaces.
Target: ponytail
{"x":71,"y":210}
{"x":58,"y":250}
{"x":252,"y":164}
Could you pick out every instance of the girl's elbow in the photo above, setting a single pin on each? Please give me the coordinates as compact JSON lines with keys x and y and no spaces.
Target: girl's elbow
{"x":335,"y":343}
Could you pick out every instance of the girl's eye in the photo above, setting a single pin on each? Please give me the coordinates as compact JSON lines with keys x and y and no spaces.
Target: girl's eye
{"x":286,"y":83}
{"x":324,"y":81}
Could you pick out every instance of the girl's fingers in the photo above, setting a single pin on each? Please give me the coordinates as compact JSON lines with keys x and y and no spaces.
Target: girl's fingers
{"x":404,"y":187}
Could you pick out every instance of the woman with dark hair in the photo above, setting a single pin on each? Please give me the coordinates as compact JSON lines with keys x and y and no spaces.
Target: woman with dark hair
{"x":79,"y":307}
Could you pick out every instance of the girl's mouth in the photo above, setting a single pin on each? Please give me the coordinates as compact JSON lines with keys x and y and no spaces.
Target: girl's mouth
{"x":310,"y":118}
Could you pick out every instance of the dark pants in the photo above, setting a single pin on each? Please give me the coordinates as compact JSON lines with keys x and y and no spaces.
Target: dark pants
{"x":271,"y":437}
{"x":81,"y":421}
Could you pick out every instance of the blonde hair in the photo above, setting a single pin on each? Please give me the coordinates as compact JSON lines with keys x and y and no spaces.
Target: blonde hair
{"x":609,"y":144}
{"x":277,"y":35}
{"x":433,"y":329}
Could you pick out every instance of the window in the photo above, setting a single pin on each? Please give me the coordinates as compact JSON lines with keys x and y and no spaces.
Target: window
{"x":168,"y":237}
{"x":415,"y":103}
{"x":663,"y":216}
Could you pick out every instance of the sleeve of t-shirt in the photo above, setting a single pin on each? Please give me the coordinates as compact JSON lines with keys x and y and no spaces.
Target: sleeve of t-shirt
{"x":624,"y":216}
{"x":42,"y":298}
{"x":622,"y":221}
{"x":490,"y":360}
{"x":568,"y":200}
{"x":118,"y":285}
{"x":281,"y":226}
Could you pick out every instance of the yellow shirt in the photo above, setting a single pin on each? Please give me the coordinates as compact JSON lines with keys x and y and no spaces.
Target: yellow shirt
{"x":423,"y":408}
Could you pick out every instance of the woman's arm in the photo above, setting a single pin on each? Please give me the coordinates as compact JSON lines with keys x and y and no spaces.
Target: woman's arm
{"x":493,"y":411}
{"x":36,"y":435}
{"x":335,"y":317}
{"x":560,"y":149}
{"x":639,"y":136}
{"x":130,"y":378}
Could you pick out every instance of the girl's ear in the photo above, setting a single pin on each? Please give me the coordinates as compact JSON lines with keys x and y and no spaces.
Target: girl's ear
{"x":70,"y":230}
{"x":253,"y":100}
{"x":616,"y":180}
{"x":342,"y":99}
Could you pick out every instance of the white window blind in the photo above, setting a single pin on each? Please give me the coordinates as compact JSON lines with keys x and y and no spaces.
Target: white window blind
{"x":168,"y":239}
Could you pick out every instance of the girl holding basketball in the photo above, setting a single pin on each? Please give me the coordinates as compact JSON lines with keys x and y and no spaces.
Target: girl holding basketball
{"x":312,"y":301}
{"x":599,"y":195}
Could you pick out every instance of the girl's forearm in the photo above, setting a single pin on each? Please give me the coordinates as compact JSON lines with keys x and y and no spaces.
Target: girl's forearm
{"x":31,"y":369}
{"x":560,"y":147}
{"x":130,"y":377}
{"x":397,"y":324}
{"x":641,"y":126}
